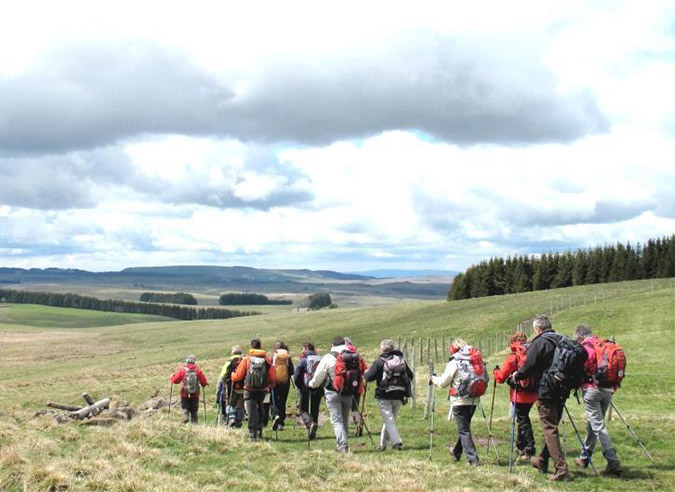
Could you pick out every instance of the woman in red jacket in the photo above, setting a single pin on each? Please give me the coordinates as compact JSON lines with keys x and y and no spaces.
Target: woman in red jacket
{"x":523,"y":396}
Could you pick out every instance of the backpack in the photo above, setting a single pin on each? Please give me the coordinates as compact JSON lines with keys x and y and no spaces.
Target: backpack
{"x":473,"y":377}
{"x":395,"y":376}
{"x":348,"y":374}
{"x":191,"y":381}
{"x":528,"y":384}
{"x":231,"y":368}
{"x":312,"y":363}
{"x":610,"y":364}
{"x":256,"y":377}
{"x":280,"y":364}
{"x":567,"y":368}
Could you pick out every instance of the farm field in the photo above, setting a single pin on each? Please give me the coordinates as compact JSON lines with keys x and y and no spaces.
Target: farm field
{"x":54,"y":354}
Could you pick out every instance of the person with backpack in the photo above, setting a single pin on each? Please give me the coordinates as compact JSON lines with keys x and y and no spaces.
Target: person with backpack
{"x":310,"y":399}
{"x":258,"y":376}
{"x":553,"y":388}
{"x":358,"y":419}
{"x":341,"y":373}
{"x":605,"y":368}
{"x":192,"y":378}
{"x":231,"y":396}
{"x":393,"y":377}
{"x":522,"y":395}
{"x":467,"y":378}
{"x":283,"y":367}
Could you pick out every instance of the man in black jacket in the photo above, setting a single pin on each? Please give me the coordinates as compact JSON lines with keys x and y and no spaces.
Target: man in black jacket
{"x":393,"y":377}
{"x":550,"y":397}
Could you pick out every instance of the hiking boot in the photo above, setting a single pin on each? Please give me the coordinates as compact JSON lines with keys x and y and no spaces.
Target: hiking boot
{"x":398,"y":447}
{"x":613,"y":469}
{"x":561,"y":476}
{"x":359,"y":431}
{"x":581,"y":462}
{"x":343,"y":449}
{"x":455,"y":457}
{"x":276,"y":423}
{"x":539,"y":464}
{"x":253,"y":436}
{"x":474,"y":462}
{"x":312,"y":430}
{"x":381,"y":448}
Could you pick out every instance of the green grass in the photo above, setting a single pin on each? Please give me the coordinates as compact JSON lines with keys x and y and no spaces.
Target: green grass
{"x":135,"y":360}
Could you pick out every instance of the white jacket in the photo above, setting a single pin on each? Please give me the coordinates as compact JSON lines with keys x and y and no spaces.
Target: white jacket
{"x":450,"y":377}
{"x":326,"y":368}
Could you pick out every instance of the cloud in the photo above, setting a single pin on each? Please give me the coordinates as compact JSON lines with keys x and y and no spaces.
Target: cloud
{"x":456,"y":89}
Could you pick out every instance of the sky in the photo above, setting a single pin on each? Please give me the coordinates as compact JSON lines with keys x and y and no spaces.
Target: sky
{"x":332,"y":135}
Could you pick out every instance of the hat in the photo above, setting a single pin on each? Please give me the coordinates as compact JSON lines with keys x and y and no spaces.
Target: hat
{"x":190,"y":359}
{"x":236,"y":350}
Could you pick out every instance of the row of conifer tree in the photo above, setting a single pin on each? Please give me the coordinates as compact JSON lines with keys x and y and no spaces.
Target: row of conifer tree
{"x":118,"y":306}
{"x":169,"y":297}
{"x":615,"y":263}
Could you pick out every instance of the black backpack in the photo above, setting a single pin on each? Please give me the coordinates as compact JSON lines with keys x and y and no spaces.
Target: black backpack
{"x":567,"y":370}
{"x":395,"y":376}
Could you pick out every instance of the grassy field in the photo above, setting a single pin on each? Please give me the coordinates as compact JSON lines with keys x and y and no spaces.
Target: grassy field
{"x":43,"y":357}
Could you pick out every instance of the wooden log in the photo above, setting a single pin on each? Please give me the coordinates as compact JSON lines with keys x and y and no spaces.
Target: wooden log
{"x":87,"y":398}
{"x":92,"y":409}
{"x":62,"y":406}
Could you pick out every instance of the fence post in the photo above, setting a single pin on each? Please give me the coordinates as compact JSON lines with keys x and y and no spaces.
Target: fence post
{"x":414,"y":381}
{"x":436,"y":349}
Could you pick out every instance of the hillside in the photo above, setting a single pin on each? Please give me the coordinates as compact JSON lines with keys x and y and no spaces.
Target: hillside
{"x":134,"y":361}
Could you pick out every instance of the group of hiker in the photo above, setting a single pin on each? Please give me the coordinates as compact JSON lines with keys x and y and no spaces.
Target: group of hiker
{"x":543,"y":371}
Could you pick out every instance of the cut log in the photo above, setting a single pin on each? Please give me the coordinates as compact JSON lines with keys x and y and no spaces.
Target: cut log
{"x":92,"y":409}
{"x":87,"y":398}
{"x":62,"y":406}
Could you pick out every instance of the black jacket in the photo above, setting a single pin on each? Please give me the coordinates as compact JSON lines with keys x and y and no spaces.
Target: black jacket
{"x":376,"y":372}
{"x":539,"y":359}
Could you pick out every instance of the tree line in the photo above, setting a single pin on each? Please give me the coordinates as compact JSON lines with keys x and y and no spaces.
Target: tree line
{"x":246,"y":299}
{"x":118,"y":306}
{"x":615,"y":263}
{"x":170,"y":298}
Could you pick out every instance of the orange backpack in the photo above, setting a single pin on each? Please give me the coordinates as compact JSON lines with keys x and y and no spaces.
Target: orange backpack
{"x":610,"y":364}
{"x":281,"y":367}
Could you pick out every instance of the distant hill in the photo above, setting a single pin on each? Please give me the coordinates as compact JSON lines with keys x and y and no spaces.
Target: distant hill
{"x":406,"y":273}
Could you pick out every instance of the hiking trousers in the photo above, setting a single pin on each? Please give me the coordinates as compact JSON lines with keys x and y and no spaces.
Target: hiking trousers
{"x":338,"y":409}
{"x":550,"y":413}
{"x":190,"y":409}
{"x":596,"y":403}
{"x":463,"y":415}
{"x":310,"y":405}
{"x":525,"y":440}
{"x":389,"y":410}
{"x":254,"y":408}
{"x":234,"y":410}
{"x":279,"y":398}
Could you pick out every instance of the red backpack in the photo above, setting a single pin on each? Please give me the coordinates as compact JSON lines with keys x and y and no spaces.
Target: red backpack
{"x":610,"y":364}
{"x":527,"y":385}
{"x":473,"y":377}
{"x":348,"y":373}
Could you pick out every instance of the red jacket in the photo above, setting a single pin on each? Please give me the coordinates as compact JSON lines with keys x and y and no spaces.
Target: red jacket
{"x":242,"y":368}
{"x":178,"y":377}
{"x":510,"y":366}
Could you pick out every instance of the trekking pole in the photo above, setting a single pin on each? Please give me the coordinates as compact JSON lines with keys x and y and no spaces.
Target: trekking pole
{"x":581,"y":441}
{"x":490,"y":438}
{"x":170,"y":395}
{"x":433,"y":412}
{"x":204,"y":400}
{"x":513,"y":432}
{"x":365,"y":426}
{"x":492,"y":408}
{"x":309,"y":407}
{"x":642,"y":445}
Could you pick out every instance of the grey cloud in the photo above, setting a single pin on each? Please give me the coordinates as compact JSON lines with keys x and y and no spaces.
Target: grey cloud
{"x":604,"y":212}
{"x":460,"y":90}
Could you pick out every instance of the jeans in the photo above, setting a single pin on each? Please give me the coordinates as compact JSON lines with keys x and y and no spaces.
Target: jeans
{"x":389,"y":410}
{"x":338,"y":408}
{"x":525,"y":439}
{"x":596,"y":403}
{"x":463,"y":415}
{"x":310,"y":405}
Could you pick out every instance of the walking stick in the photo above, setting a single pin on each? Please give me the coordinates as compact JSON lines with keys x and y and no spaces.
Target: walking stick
{"x":363,"y":413}
{"x":433,"y":412}
{"x":204,"y":400}
{"x":513,"y":430}
{"x":492,"y":408}
{"x":309,"y":431}
{"x":490,"y":438}
{"x":170,"y":395}
{"x":581,"y":441}
{"x":642,"y":445}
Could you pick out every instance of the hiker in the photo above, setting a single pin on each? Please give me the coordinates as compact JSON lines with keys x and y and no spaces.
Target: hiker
{"x":463,"y":400}
{"x":356,"y":402}
{"x":283,"y":367}
{"x":550,"y":396}
{"x":393,"y":377}
{"x":258,"y":376}
{"x":597,"y":400}
{"x":231,"y":397}
{"x":341,"y":373}
{"x":192,"y":377}
{"x":523,"y":395}
{"x":310,"y":399}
